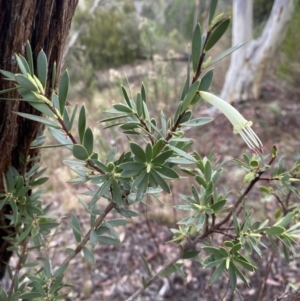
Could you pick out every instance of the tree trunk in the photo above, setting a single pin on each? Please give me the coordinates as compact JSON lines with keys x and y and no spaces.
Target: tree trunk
{"x":46,"y":24}
{"x":248,"y":64}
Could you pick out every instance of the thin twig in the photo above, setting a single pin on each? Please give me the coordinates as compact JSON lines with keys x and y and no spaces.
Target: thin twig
{"x":18,"y":267}
{"x":191,"y":244}
{"x":284,"y":210}
{"x":263,"y":285}
{"x":86,"y":238}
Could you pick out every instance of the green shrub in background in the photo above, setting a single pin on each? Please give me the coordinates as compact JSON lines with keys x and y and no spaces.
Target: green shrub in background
{"x":162,"y":153}
{"x":112,"y":38}
{"x":290,"y":64}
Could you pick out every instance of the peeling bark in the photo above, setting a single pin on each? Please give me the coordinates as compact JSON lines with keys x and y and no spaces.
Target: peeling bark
{"x":46,"y":25}
{"x":248,"y":64}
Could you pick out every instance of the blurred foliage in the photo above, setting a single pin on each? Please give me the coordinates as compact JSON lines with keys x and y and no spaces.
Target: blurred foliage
{"x":289,"y":68}
{"x":180,"y":14}
{"x":112,"y":37}
{"x":261,"y":10}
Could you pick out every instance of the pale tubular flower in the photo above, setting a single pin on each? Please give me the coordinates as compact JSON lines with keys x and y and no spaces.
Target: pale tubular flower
{"x":240,"y":124}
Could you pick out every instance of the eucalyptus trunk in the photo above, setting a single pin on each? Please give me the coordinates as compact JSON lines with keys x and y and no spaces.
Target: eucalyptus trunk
{"x":248,"y":64}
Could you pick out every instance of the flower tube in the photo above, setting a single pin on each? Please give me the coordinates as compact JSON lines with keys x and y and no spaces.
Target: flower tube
{"x":240,"y":124}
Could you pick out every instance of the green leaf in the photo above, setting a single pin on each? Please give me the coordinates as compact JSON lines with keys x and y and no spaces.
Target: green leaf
{"x":245,"y":263}
{"x":232,"y":276}
{"x":139,"y":153}
{"x":200,"y":121}
{"x":139,"y":106}
{"x":186,"y":116}
{"x":47,"y":267}
{"x":163,"y":123}
{"x":157,"y":148}
{"x":147,"y":266}
{"x":285,"y":220}
{"x":122,"y":108}
{"x":217,"y":206}
{"x":207,"y":171}
{"x":126,"y":212}
{"x":212,"y":10}
{"x":42,"y":67}
{"x":42,"y":120}
{"x":132,"y":166}
{"x":225,"y":53}
{"x":249,"y":177}
{"x":63,"y":91}
{"x":217,"y":273}
{"x":29,"y":58}
{"x":126,"y":97}
{"x":148,"y":153}
{"x":30,"y":296}
{"x":88,"y":255}
{"x":161,"y":158}
{"x":8,"y":75}
{"x":214,"y":263}
{"x":143,"y":93}
{"x":217,"y":34}
{"x":111,"y":155}
{"x":212,"y":250}
{"x":117,"y":195}
{"x":206,"y":81}
{"x":58,"y":272}
{"x":275,"y":230}
{"x":61,"y":137}
{"x":72,"y":118}
{"x":189,"y":96}
{"x":53,"y":79}
{"x":26,"y":83}
{"x":80,"y":152}
{"x":236,"y":248}
{"x":190,"y":254}
{"x":196,"y":47}
{"x":75,"y":224}
{"x":160,"y":181}
{"x":183,"y":154}
{"x":82,"y":123}
{"x":166,"y":172}
{"x":185,"y":88}
{"x":117,"y":222}
{"x":23,"y":68}
{"x":107,"y":240}
{"x":88,"y":141}
{"x":169,"y":270}
{"x":144,"y":282}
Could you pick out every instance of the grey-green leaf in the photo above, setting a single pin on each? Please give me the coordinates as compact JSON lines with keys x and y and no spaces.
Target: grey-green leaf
{"x":82,"y":123}
{"x":217,"y":34}
{"x":196,"y":47}
{"x":63,"y":91}
{"x":42,"y":67}
{"x":80,"y":152}
{"x":88,"y":141}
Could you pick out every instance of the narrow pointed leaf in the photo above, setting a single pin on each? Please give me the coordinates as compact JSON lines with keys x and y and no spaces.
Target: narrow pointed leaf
{"x":42,"y":67}
{"x":88,"y":141}
{"x":63,"y":90}
{"x":196,"y":47}
{"x":25,"y":83}
{"x":29,"y":58}
{"x":226,"y":53}
{"x":217,"y":34}
{"x":212,"y":10}
{"x":82,"y":123}
{"x":42,"y":120}
{"x":88,"y":255}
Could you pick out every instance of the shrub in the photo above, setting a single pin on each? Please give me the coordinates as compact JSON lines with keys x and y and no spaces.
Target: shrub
{"x":160,"y":154}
